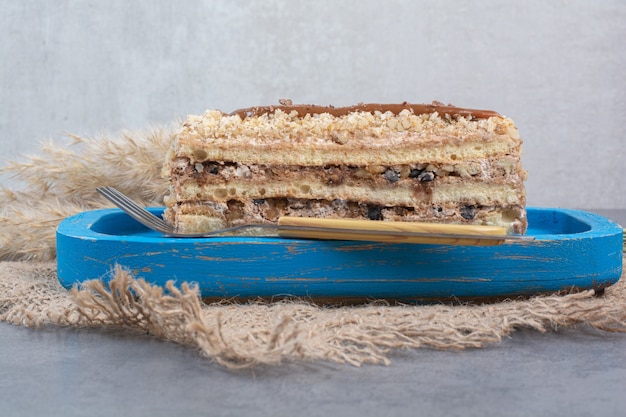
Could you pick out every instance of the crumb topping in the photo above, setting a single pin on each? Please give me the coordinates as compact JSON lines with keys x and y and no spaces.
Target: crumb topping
{"x":216,"y":127}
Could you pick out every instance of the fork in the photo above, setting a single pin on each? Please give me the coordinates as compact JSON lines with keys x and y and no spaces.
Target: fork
{"x":334,"y":229}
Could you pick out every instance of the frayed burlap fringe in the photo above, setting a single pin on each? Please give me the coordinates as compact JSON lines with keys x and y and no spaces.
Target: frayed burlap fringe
{"x":249,"y":334}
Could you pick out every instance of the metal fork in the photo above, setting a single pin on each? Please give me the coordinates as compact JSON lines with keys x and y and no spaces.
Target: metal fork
{"x":335,"y":229}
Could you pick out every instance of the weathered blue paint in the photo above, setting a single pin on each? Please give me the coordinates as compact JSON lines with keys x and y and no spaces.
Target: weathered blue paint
{"x":572,"y":249}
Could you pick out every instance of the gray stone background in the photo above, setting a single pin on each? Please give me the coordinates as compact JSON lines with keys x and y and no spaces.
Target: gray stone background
{"x":556,"y":67}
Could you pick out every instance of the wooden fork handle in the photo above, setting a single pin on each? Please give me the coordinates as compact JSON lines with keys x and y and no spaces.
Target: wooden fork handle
{"x":390,"y":232}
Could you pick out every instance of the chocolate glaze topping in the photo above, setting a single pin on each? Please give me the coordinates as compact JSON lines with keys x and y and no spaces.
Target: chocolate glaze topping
{"x":304,"y":109}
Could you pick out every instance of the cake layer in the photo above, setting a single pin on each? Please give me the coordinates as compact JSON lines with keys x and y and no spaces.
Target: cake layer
{"x":405,"y":193}
{"x":358,"y":139}
{"x":203,"y":216}
{"x":495,"y":181}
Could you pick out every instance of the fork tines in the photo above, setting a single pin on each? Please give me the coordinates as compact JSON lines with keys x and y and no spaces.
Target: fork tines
{"x":134,"y":210}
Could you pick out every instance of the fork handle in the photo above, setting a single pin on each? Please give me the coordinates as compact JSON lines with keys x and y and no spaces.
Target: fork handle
{"x":390,"y":231}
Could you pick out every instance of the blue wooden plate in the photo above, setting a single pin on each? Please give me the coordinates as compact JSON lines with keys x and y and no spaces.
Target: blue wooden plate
{"x":572,"y":249}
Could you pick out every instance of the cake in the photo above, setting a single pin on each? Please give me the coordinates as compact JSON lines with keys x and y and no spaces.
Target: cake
{"x":398,"y":162}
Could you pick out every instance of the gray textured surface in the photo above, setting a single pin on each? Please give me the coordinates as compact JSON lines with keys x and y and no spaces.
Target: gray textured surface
{"x":60,"y":372}
{"x":556,"y":67}
{"x":64,"y":372}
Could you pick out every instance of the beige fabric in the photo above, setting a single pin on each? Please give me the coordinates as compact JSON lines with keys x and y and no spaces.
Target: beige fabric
{"x":243,"y":335}
{"x":61,"y":182}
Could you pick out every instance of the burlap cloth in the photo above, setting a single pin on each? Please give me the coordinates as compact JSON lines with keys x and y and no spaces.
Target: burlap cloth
{"x":60,"y":181}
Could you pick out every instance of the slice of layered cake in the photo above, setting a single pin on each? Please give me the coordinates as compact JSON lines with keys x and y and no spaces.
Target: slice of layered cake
{"x":401,"y":162}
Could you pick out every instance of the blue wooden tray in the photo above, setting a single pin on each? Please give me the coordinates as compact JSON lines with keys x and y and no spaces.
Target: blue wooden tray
{"x":572,"y":249}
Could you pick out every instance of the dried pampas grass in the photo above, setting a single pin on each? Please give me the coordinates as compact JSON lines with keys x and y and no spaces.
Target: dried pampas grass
{"x":61,"y":180}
